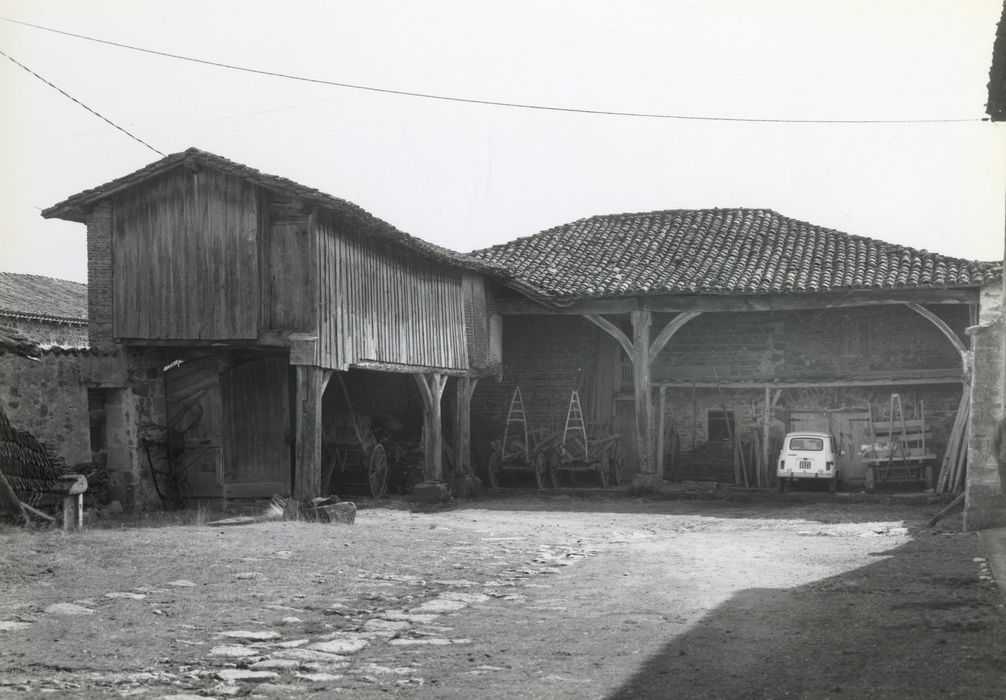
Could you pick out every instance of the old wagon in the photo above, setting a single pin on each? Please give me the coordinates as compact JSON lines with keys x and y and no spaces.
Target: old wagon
{"x":358,"y":463}
{"x":520,"y":450}
{"x":577,"y":449}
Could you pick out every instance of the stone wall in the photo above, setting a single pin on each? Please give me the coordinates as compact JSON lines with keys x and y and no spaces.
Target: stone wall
{"x":91,"y":405}
{"x":985,"y":502}
{"x":62,"y":334}
{"x":49,"y":398}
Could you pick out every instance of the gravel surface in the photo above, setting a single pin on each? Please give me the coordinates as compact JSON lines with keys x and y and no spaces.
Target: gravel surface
{"x":517,"y":597}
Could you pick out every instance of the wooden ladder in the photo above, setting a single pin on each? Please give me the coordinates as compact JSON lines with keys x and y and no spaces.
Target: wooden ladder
{"x":516,"y":415}
{"x":902,"y":442}
{"x":575,"y":423}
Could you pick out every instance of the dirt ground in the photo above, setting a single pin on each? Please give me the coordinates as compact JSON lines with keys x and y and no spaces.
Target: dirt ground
{"x":517,"y":596}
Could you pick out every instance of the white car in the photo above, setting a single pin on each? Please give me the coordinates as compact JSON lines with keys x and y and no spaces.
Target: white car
{"x":808,"y":455}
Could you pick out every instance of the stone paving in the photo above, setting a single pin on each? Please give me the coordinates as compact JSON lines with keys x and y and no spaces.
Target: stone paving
{"x":389,"y":612}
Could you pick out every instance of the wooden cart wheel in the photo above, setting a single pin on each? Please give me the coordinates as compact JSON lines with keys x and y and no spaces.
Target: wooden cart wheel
{"x":494,"y":470}
{"x":540,"y":469}
{"x":871,"y":478}
{"x":378,"y":472}
{"x":602,"y":470}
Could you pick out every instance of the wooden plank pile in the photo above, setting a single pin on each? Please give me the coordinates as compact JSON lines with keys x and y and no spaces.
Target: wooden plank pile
{"x":954,"y":465}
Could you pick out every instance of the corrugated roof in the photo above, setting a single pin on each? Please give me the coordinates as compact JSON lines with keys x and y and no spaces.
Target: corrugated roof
{"x":719,"y":251}
{"x":73,"y":207}
{"x":45,"y":298}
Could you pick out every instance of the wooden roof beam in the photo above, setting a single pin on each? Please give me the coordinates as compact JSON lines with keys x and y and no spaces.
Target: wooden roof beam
{"x":676,"y":303}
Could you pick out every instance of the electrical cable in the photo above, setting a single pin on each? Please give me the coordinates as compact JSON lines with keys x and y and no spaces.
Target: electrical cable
{"x":490,"y":103}
{"x":68,"y":95}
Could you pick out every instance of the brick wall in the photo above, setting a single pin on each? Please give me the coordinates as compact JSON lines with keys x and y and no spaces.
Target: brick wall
{"x":99,"y":276}
{"x":543,"y":353}
{"x":546,"y":356}
{"x":808,"y":344}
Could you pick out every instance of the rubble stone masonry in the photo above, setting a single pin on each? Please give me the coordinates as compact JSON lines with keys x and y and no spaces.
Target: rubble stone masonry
{"x":985,"y":500}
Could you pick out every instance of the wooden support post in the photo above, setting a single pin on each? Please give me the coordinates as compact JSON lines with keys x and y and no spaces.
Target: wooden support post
{"x":463,"y":424}
{"x":660,"y":433}
{"x":431,"y":387}
{"x":641,"y":321}
{"x":765,"y":429}
{"x":642,"y":353}
{"x":310,"y":387}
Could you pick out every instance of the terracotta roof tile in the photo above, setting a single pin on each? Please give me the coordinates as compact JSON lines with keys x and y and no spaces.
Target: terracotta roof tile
{"x":45,"y":298}
{"x":725,"y":251}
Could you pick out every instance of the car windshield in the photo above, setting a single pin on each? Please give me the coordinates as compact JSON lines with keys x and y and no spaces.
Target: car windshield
{"x":806,"y":444}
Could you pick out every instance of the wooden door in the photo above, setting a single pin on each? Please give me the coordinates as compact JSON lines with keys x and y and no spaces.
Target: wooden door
{"x":256,"y":403}
{"x":192,"y":399}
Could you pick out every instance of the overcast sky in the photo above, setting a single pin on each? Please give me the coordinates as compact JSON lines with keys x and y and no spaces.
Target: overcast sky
{"x":468,"y":176}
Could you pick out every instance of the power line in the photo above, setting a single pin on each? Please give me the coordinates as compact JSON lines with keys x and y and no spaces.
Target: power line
{"x":66,"y":94}
{"x":490,"y":103}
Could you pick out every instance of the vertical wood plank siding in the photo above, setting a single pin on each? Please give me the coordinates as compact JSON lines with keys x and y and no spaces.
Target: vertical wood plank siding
{"x":185,"y":258}
{"x":382,"y":303}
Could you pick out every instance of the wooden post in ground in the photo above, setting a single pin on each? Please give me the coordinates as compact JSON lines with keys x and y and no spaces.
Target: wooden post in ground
{"x":765,"y":430}
{"x":431,"y":387}
{"x":309,"y":389}
{"x":642,"y":382}
{"x":660,"y":433}
{"x":463,"y":424}
{"x":642,"y":353}
{"x":433,"y":490}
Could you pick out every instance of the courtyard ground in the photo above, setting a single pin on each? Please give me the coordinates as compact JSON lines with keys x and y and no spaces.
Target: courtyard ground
{"x":511,"y":597}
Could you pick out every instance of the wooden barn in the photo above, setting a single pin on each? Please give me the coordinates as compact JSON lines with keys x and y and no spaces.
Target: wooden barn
{"x":236,"y":296}
{"x":702,"y":336}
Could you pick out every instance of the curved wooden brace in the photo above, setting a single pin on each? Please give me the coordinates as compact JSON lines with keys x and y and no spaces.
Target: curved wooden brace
{"x":944,"y":328}
{"x":612,"y":330}
{"x":672,"y":327}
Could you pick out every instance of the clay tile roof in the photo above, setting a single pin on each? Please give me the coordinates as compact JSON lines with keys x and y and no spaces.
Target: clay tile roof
{"x":43,"y":298}
{"x":718,"y":251}
{"x":73,"y":208}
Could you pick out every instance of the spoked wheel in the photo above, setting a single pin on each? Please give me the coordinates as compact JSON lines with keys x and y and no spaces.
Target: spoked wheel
{"x":540,"y":470}
{"x":603,"y":467}
{"x":378,"y":472}
{"x":494,"y":470}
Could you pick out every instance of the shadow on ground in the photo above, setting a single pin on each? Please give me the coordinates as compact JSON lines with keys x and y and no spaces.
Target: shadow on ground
{"x":916,"y":624}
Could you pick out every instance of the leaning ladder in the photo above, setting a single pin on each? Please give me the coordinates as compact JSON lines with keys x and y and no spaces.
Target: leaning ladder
{"x":575,"y":423}
{"x":516,"y":415}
